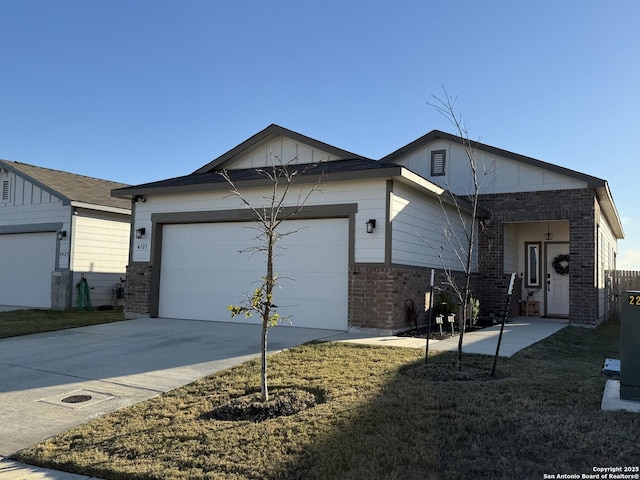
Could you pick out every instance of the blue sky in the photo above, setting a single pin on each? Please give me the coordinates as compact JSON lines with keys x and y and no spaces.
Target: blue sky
{"x":141,"y":90}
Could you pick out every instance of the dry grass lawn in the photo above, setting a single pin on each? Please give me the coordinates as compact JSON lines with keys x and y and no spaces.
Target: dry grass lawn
{"x":379,"y":420}
{"x":26,"y":322}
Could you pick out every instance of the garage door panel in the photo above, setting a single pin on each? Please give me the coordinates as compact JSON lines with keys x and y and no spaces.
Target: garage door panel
{"x":26,"y":263}
{"x":200,"y":278}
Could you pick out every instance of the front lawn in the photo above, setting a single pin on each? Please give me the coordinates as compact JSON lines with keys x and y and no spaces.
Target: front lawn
{"x":377,"y":421}
{"x":26,"y":322}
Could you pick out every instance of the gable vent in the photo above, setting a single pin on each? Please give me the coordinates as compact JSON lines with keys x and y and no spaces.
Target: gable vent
{"x":5,"y":190}
{"x":438,"y":163}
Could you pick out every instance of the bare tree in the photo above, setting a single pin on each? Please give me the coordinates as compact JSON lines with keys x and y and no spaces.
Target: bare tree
{"x":461,"y":227}
{"x":269,"y":219}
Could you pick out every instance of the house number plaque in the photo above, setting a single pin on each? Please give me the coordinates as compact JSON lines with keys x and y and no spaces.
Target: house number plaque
{"x":634,"y":300}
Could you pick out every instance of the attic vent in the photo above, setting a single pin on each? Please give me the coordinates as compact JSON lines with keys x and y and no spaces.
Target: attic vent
{"x":5,"y":190}
{"x":438,"y":162}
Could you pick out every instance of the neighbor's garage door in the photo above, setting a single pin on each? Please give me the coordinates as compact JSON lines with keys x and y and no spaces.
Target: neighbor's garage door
{"x":26,"y":263}
{"x":202,"y":271}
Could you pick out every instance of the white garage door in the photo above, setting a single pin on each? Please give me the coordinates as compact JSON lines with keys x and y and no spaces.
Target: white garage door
{"x":202,"y":271}
{"x":26,"y":263}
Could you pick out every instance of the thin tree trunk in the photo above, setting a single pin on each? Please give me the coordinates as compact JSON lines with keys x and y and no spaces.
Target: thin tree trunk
{"x":263,"y":364}
{"x":266,"y":314}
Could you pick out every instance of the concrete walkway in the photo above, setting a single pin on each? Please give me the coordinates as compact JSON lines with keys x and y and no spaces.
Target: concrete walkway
{"x":124,"y":363}
{"x":519,"y":333}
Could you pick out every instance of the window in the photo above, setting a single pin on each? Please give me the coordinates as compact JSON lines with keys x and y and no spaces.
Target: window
{"x":532,"y":265}
{"x":5,"y":191}
{"x":438,"y":162}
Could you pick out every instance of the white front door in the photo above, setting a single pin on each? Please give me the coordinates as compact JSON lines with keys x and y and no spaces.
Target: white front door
{"x":557,"y":287}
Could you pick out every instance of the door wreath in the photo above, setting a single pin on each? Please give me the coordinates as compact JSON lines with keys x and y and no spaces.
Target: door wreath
{"x":561,"y":264}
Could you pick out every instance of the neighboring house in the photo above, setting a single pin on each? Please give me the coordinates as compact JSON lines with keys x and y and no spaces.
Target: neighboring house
{"x":338,"y":273}
{"x":55,"y":228}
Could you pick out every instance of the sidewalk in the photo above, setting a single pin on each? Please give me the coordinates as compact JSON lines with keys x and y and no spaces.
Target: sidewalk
{"x":519,"y":333}
{"x":10,"y":470}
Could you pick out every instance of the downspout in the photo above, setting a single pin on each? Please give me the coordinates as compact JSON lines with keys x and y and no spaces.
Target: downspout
{"x":72,"y":233}
{"x":597,"y":274}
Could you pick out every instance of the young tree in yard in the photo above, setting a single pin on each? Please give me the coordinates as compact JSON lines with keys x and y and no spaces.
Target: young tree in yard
{"x":269,"y":222}
{"x":460,"y":227}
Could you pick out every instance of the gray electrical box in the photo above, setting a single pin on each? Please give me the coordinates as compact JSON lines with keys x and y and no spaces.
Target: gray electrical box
{"x":630,"y":346}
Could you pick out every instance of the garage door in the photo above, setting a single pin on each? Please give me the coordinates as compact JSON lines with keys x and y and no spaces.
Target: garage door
{"x":203,"y":271}
{"x":26,"y":263}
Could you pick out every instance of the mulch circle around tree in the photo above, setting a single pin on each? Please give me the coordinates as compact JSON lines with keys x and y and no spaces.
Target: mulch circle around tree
{"x":281,"y":403}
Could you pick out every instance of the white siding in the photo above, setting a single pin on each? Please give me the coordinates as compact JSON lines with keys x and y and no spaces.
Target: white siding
{"x":370,"y":195}
{"x":101,"y":253}
{"x":283,"y":148}
{"x":607,"y":251}
{"x":497,"y":174}
{"x":101,"y":243}
{"x":422,"y":229}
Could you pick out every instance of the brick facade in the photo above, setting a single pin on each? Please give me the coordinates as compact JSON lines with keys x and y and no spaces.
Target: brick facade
{"x":137,"y":297}
{"x":578,"y":207}
{"x":377,"y":295}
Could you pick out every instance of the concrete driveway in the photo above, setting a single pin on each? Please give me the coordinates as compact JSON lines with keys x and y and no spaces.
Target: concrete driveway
{"x":116,"y":365}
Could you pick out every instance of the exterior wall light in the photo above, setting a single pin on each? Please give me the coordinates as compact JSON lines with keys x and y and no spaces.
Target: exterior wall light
{"x":371,"y":224}
{"x":62,"y":234}
{"x":548,"y":235}
{"x":140,"y":232}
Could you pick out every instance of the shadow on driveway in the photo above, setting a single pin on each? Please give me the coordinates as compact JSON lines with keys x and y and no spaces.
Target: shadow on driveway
{"x":117,"y":365}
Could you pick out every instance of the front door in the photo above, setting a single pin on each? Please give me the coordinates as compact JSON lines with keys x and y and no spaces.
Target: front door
{"x":557,"y":288}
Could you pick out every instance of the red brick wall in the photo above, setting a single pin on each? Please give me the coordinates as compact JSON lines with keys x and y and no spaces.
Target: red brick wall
{"x":137,"y":298}
{"x":575,"y":206}
{"x":377,"y":295}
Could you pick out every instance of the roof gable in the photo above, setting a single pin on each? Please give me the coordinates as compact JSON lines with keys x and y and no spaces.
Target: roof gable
{"x":70,"y":187}
{"x":276,"y":141}
{"x":434,"y":135}
{"x":529,"y":168}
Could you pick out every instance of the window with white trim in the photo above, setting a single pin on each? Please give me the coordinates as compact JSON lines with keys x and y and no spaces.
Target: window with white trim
{"x":438,"y":163}
{"x":532,"y":265}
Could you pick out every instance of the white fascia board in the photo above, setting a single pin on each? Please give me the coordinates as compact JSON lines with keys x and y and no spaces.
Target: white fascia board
{"x":101,"y":208}
{"x":413,"y":179}
{"x":407,"y":176}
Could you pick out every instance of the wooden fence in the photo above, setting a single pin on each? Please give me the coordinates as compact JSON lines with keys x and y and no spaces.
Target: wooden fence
{"x":619,"y":281}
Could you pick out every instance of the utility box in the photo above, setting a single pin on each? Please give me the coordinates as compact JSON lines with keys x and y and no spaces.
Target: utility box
{"x":630,"y":346}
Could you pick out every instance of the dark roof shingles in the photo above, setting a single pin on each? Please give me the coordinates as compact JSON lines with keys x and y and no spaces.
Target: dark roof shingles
{"x":75,"y":187}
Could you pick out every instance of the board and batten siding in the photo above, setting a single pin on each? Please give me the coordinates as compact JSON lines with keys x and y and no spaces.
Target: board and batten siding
{"x":369,"y":195}
{"x":29,"y":207}
{"x":23,"y":193}
{"x":285,"y":149}
{"x":499,"y":174}
{"x":419,"y":230}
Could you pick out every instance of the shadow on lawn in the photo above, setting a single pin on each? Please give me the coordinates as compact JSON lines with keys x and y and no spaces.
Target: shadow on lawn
{"x":542,"y":416}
